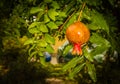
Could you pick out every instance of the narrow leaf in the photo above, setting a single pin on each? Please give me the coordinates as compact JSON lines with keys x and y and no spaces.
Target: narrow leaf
{"x":88,"y":55}
{"x":35,"y":10}
{"x":91,"y":71}
{"x":72,"y":63}
{"x":76,"y":70}
{"x":67,"y":49}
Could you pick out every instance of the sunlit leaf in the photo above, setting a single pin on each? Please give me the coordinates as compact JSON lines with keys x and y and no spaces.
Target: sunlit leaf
{"x":49,"y":49}
{"x":33,"y":27}
{"x":34,"y":24}
{"x":52,"y":14}
{"x":35,"y":10}
{"x":33,"y":30}
{"x":62,"y":14}
{"x":40,"y":53}
{"x":49,"y":39}
{"x":43,"y":28}
{"x":42,"y":61}
{"x":46,"y":18}
{"x":40,"y":15}
{"x":52,"y":25}
{"x":91,"y":71}
{"x":29,"y":41}
{"x":67,"y":49}
{"x":42,"y":43}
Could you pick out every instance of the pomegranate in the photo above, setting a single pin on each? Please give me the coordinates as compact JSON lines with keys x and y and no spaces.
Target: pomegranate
{"x":77,"y":34}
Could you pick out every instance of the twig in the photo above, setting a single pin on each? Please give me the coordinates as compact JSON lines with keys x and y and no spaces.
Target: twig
{"x":81,"y":11}
{"x":61,"y":27}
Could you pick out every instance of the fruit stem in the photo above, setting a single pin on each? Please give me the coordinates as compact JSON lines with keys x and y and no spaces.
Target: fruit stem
{"x":83,"y":5}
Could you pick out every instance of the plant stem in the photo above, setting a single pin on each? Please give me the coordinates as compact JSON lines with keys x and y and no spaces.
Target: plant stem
{"x":83,"y":5}
{"x":66,"y":21}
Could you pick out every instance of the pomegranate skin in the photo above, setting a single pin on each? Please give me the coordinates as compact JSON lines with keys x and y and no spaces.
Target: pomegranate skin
{"x":77,"y":34}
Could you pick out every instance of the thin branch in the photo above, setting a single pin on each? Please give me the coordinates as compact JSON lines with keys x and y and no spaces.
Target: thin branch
{"x":81,"y":11}
{"x":61,"y":27}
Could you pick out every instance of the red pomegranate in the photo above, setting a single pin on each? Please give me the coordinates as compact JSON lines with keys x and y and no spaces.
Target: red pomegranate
{"x":77,"y":34}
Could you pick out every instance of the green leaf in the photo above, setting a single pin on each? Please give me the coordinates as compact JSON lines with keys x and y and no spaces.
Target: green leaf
{"x":72,"y":19}
{"x":62,"y":14}
{"x":86,"y":15}
{"x":98,"y":43}
{"x":35,"y":10}
{"x":58,"y":23}
{"x":97,"y":39}
{"x":33,"y":30}
{"x":76,"y":70}
{"x":67,"y":49}
{"x":47,"y":1}
{"x":55,"y":5}
{"x":99,"y":21}
{"x":52,"y":14}
{"x":42,"y":43}
{"x":52,"y":25}
{"x":34,"y":24}
{"x":31,"y":48}
{"x":29,"y":41}
{"x":40,"y":53}
{"x":42,"y":61}
{"x":99,"y":58}
{"x":49,"y":39}
{"x":40,"y":15}
{"x":93,"y":26}
{"x":88,"y":55}
{"x":33,"y":53}
{"x":43,"y":28}
{"x":91,"y":71}
{"x":49,"y":49}
{"x":46,"y":18}
{"x":72,"y":63}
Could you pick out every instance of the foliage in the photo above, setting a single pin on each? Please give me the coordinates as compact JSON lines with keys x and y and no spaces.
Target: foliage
{"x":33,"y":25}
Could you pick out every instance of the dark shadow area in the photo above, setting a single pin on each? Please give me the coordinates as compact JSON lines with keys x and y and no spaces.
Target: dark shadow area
{"x":14,"y":69}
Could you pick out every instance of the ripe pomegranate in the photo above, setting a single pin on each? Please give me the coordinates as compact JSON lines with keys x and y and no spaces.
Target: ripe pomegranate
{"x":77,"y":34}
